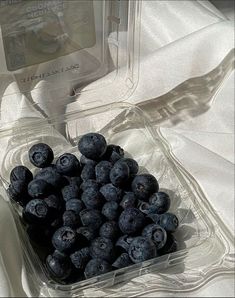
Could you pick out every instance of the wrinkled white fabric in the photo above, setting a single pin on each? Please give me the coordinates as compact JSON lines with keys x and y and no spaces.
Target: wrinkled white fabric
{"x":179,"y":40}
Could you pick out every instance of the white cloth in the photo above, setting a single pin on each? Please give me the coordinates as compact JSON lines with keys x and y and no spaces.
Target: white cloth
{"x":179,"y":40}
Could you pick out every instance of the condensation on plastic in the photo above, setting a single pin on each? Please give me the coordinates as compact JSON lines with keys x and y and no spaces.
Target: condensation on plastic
{"x":205,"y":244}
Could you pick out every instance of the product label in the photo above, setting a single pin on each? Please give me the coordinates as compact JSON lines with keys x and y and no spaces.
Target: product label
{"x":36,"y":31}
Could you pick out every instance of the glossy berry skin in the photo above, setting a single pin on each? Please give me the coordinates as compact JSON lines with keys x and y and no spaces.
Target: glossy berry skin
{"x":92,"y":145}
{"x":144,"y":186}
{"x":123,"y":243}
{"x":96,"y":267}
{"x":41,"y":155}
{"x":109,"y":230}
{"x":87,"y":232}
{"x":142,"y":249}
{"x":170,"y":246}
{"x":74,"y":205}
{"x":68,"y":164}
{"x":119,"y":174}
{"x":132,"y":165}
{"x":88,"y":172}
{"x":102,"y":248}
{"x":21,"y":173}
{"x":131,"y":221}
{"x":160,"y":201}
{"x":85,"y":161}
{"x":91,"y":218}
{"x":70,"y":191}
{"x":92,"y":199}
{"x":113,"y":153}
{"x":70,"y":219}
{"x":90,"y":184}
{"x":59,"y":269}
{"x":111,"y":192}
{"x":51,"y":176}
{"x":55,"y":204}
{"x":38,"y":188}
{"x":111,"y":210}
{"x":64,"y":240}
{"x":36,"y":212}
{"x":168,"y":221}
{"x":156,"y":233}
{"x":128,"y":200}
{"x":122,"y":261}
{"x":102,"y":171}
{"x":80,"y":258}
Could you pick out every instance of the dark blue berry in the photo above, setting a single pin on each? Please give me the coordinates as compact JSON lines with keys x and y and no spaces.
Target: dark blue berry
{"x":110,"y":230}
{"x":80,"y":258}
{"x":87,"y":232}
{"x":124,"y":242}
{"x":21,"y":173}
{"x":90,"y":184}
{"x":74,"y":205}
{"x":59,"y":269}
{"x":168,"y":221}
{"x":160,"y":201}
{"x":70,"y":219}
{"x":122,"y":261}
{"x":68,"y":164}
{"x":70,"y":191}
{"x":170,"y":246}
{"x":17,"y":191}
{"x":84,"y":161}
{"x":36,"y":212}
{"x":102,"y":171}
{"x":156,"y":233}
{"x":55,"y":204}
{"x":102,"y":248}
{"x":92,"y":145}
{"x":113,"y":153}
{"x":91,"y":218}
{"x":41,"y":155}
{"x":88,"y":172}
{"x":128,"y":200}
{"x":132,"y":164}
{"x":142,"y":249}
{"x":144,"y":186}
{"x":74,"y":180}
{"x":131,"y":221}
{"x":96,"y":267}
{"x":64,"y":239}
{"x":51,"y":176}
{"x":92,"y":199}
{"x":111,"y":192}
{"x":119,"y":174}
{"x":144,"y":207}
{"x":111,"y":210}
{"x":39,"y":188}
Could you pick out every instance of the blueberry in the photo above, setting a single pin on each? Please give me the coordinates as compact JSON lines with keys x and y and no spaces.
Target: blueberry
{"x":156,"y":233}
{"x":111,"y":210}
{"x":76,"y":180}
{"x":92,"y":145}
{"x":59,"y":255}
{"x":91,"y":218}
{"x":109,"y":230}
{"x":144,"y":207}
{"x":128,"y":200}
{"x":70,"y":191}
{"x":36,"y":212}
{"x":80,"y":258}
{"x":41,"y":155}
{"x":38,"y":188}
{"x":21,"y":173}
{"x":90,"y":184}
{"x":124,"y":242}
{"x":96,"y":267}
{"x":170,"y":246}
{"x":144,"y":186}
{"x":39,"y":235}
{"x":64,"y":239}
{"x":74,"y":205}
{"x":55,"y":204}
{"x":160,"y":201}
{"x":85,"y":161}
{"x":102,"y":248}
{"x":68,"y":164}
{"x":87,"y":232}
{"x":111,"y":192}
{"x":131,"y":221}
{"x":88,"y":172}
{"x":122,"y":261}
{"x":70,"y":219}
{"x":51,"y":176}
{"x":168,"y":221}
{"x":17,"y":191}
{"x":102,"y":171}
{"x":58,"y":268}
{"x":142,"y":249}
{"x":113,"y":153}
{"x":119,"y":174}
{"x":92,"y":199}
{"x":132,"y":164}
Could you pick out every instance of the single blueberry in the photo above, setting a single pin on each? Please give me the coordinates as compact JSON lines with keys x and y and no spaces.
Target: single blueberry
{"x":88,"y":172}
{"x":111,"y":210}
{"x":68,"y":164}
{"x":51,"y":176}
{"x":41,"y":155}
{"x":170,"y":246}
{"x":131,"y":221}
{"x":92,"y":199}
{"x":90,"y":184}
{"x":64,"y":239}
{"x":74,"y":180}
{"x":168,"y":221}
{"x":102,"y":171}
{"x":122,"y":261}
{"x":96,"y":267}
{"x":17,"y":191}
{"x":119,"y":174}
{"x":80,"y":258}
{"x":123,"y":243}
{"x":160,"y":201}
{"x":91,"y":218}
{"x":59,"y":269}
{"x":21,"y":173}
{"x":142,"y":249}
{"x":132,"y":164}
{"x":55,"y":204}
{"x":111,"y":192}
{"x":113,"y":153}
{"x":102,"y":248}
{"x":92,"y":145}
{"x":36,"y":212}
{"x":84,"y":161}
{"x":144,"y":186}
{"x":39,"y":188}
{"x":110,"y":230}
{"x":128,"y":200}
{"x":74,"y":205}
{"x":70,"y":219}
{"x":70,"y":191}
{"x":156,"y":233}
{"x":87,"y":232}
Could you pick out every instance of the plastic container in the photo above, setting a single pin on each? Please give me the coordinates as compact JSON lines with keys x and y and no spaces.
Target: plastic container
{"x":206,"y":245}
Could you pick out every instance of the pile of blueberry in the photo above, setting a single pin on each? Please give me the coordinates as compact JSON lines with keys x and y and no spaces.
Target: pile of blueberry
{"x":94,"y":215}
